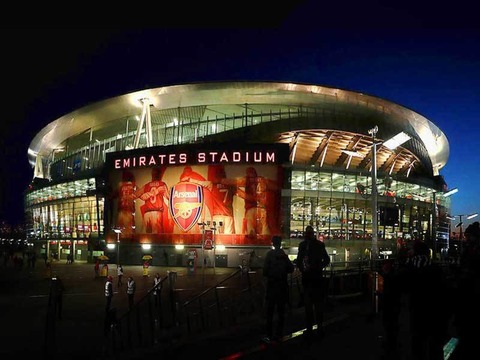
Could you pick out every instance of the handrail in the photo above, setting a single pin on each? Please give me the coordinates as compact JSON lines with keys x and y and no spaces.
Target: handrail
{"x":155,"y":287}
{"x":206,"y":291}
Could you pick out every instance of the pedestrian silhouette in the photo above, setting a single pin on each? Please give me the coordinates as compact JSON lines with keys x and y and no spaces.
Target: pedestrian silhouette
{"x":312,"y":258}
{"x":429,"y":304}
{"x":108,"y":293}
{"x":130,"y":291}
{"x":276,"y":268}
{"x":120,"y":275}
{"x":391,"y":305}
{"x":157,"y":289}
{"x":467,"y":315}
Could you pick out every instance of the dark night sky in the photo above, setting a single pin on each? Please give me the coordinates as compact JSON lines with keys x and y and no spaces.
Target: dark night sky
{"x":422,"y":56}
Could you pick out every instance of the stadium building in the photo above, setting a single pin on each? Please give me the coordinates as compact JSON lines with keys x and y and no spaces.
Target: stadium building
{"x":208,"y":172}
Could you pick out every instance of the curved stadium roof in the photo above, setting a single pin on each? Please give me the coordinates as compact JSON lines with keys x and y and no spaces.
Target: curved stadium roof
{"x":343,"y":111}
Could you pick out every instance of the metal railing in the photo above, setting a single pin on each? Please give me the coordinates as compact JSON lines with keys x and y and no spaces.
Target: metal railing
{"x":236,"y":299}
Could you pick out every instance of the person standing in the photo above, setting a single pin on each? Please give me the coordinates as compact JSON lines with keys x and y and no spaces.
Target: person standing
{"x":108,"y":293}
{"x":391,"y":304}
{"x":157,"y":289}
{"x":34,"y":259}
{"x":429,"y":319}
{"x":276,"y":268}
{"x":130,"y":291}
{"x":120,"y":275}
{"x":466,"y":315}
{"x":312,"y":258}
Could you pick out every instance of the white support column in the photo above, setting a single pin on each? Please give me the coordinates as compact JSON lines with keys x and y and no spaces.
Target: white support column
{"x":145,"y":118}
{"x":38,"y":172}
{"x":148,"y":123}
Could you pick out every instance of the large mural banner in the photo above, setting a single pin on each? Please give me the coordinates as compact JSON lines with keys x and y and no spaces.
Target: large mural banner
{"x":239,"y":203}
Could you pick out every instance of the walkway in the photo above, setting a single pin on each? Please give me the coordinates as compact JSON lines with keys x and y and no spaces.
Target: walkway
{"x":352,"y":329}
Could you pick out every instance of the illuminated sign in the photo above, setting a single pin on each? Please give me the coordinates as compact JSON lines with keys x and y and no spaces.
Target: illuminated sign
{"x":211,"y":157}
{"x":198,"y":155}
{"x":236,"y":189}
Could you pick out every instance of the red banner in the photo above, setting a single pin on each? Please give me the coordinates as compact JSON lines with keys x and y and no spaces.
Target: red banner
{"x":208,"y":244}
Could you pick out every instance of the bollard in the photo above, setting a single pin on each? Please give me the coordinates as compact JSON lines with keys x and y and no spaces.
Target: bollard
{"x":172,"y":277}
{"x":375,"y":291}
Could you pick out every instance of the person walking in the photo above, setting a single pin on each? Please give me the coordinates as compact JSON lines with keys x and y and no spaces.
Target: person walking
{"x":108,"y":293}
{"x":276,"y":268}
{"x":312,"y":258}
{"x":130,"y":291}
{"x":119,"y":275}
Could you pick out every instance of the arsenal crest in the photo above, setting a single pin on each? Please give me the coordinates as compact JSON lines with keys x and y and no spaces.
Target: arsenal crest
{"x":186,"y":204}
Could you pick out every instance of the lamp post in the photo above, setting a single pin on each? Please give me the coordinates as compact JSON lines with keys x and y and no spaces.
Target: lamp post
{"x":204,"y":260}
{"x":214,"y":228}
{"x":374,"y":250}
{"x":391,"y":144}
{"x":118,"y":232}
{"x":460,"y":225}
{"x":433,"y":236}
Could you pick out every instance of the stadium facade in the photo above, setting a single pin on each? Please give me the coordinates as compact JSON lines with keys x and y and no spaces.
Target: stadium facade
{"x":208,"y":172}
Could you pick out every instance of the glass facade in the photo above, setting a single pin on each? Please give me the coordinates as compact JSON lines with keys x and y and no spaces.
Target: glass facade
{"x":66,"y":213}
{"x":323,"y":187}
{"x":341,"y":210}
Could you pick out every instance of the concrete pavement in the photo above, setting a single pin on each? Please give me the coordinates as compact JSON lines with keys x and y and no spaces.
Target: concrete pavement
{"x":352,"y":328}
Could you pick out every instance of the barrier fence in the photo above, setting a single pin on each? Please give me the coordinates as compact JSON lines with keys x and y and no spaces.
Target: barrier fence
{"x":239,"y":297}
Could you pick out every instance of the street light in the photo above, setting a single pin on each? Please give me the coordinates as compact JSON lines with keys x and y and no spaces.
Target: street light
{"x":204,"y":260}
{"x":118,"y":232}
{"x":391,"y":144}
{"x":460,"y":225}
{"x":433,"y":236}
{"x":450,"y":192}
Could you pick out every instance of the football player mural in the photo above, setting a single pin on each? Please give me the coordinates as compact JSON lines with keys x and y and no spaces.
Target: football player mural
{"x":154,"y":211}
{"x":240,"y":202}
{"x":124,"y":195}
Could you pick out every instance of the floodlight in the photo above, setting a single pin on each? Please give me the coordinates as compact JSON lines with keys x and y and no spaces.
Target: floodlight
{"x":396,"y":141}
{"x":450,"y":192}
{"x":471,"y":216}
{"x":352,"y":153}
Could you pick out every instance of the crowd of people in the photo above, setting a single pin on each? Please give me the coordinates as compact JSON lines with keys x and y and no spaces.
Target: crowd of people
{"x":440,"y":300}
